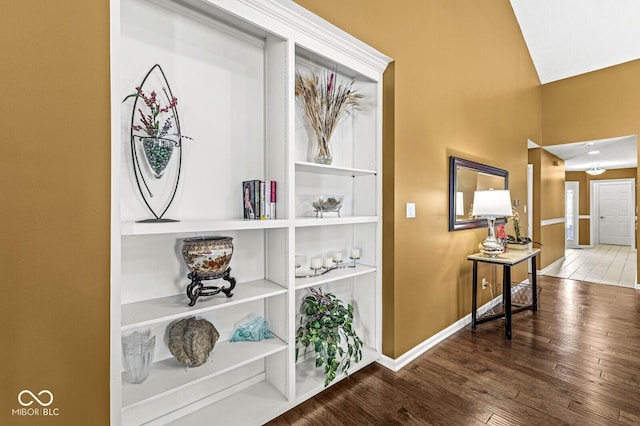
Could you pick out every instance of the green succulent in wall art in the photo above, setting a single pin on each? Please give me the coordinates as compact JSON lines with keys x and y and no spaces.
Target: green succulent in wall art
{"x":326,"y":326}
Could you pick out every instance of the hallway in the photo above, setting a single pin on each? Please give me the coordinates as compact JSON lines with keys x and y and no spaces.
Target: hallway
{"x":603,"y":264}
{"x":574,"y":362}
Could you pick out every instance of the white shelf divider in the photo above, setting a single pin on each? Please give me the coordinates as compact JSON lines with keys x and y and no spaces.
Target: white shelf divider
{"x":255,"y":404}
{"x":153,"y":311}
{"x":170,"y":376}
{"x":329,"y":221}
{"x":310,"y":380}
{"x":334,"y":275}
{"x":199,"y":226}
{"x":303,"y":166}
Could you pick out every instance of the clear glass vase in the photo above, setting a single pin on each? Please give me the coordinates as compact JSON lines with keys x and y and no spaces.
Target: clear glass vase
{"x":157,"y":153}
{"x":137,"y":351}
{"x":322,"y":150}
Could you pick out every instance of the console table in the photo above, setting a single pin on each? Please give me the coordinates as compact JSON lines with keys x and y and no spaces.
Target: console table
{"x":507,"y":260}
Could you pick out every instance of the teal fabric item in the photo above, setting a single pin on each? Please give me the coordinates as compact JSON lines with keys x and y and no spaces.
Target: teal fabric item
{"x":251,"y":329}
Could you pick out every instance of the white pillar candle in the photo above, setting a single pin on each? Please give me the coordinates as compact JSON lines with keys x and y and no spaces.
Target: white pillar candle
{"x":337,"y":257}
{"x":328,"y":262}
{"x":355,"y":253}
{"x":316,"y":263}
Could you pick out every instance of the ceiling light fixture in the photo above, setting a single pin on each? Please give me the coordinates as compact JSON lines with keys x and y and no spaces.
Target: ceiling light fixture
{"x":594,"y":152}
{"x":595,"y":170}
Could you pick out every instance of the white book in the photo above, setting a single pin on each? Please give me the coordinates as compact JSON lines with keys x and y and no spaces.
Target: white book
{"x":267,"y":199}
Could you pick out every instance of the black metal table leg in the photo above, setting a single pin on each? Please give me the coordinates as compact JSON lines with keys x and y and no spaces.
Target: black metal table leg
{"x":534,"y":284}
{"x":474,"y":295}
{"x":506,"y":292}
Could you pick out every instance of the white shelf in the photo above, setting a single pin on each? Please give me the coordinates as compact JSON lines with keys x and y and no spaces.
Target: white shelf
{"x":329,"y":221}
{"x":303,"y":166}
{"x":142,"y":314}
{"x":334,"y":275}
{"x":310,"y":380}
{"x":256,"y":405}
{"x":199,"y":226}
{"x":169,"y":375}
{"x":241,"y":54}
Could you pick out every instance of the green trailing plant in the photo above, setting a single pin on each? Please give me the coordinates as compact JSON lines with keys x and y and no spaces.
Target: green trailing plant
{"x":327,"y":326}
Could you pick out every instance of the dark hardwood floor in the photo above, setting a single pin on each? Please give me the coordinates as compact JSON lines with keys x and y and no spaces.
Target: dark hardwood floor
{"x":575,"y":362}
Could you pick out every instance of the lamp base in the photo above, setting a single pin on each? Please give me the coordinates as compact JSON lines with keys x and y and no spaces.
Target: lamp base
{"x":491,"y":248}
{"x":489,"y":253}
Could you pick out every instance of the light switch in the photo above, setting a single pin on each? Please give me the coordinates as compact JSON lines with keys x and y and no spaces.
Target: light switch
{"x":411,"y":210}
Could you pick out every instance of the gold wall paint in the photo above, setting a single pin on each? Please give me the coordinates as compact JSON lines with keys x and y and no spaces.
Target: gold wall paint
{"x":464,"y":85}
{"x":548,"y":204}
{"x":597,"y":105}
{"x":54,"y":232}
{"x":584,"y":195}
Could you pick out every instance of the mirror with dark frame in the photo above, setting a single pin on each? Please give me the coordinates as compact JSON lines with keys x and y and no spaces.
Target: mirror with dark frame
{"x":466,"y":177}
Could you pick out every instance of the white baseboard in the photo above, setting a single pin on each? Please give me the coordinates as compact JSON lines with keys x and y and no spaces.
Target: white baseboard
{"x":549,"y":267}
{"x":413,"y":353}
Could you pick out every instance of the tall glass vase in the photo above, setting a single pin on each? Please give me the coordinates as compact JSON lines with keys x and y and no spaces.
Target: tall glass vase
{"x":322,"y":151}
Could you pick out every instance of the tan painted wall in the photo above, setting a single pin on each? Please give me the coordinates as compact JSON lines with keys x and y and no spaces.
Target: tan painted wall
{"x":464,"y":86}
{"x":596,"y":105}
{"x":584,"y":184}
{"x":548,"y":204}
{"x":55,"y":204}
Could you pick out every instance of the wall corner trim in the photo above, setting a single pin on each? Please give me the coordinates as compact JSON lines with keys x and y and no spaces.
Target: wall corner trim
{"x":550,"y":267}
{"x":396,"y":364}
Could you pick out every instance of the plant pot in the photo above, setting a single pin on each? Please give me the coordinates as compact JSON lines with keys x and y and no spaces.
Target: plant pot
{"x":519,"y":246}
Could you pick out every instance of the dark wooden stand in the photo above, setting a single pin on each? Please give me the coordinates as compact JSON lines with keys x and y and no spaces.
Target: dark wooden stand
{"x":196,"y":289}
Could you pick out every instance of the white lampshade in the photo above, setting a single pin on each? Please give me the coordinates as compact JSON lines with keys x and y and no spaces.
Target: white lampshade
{"x":492,"y":203}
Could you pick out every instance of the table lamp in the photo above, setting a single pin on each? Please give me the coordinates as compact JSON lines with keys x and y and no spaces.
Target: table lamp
{"x":491,"y":204}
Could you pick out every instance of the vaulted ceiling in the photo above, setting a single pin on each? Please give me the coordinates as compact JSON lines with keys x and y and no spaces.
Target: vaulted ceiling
{"x":571,"y":37}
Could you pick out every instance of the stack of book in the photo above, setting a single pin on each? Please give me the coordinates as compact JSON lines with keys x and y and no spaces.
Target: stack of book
{"x":259,"y":199}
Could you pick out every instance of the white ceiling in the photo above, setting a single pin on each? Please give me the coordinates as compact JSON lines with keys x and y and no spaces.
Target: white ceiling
{"x":615,"y":153}
{"x":571,"y":37}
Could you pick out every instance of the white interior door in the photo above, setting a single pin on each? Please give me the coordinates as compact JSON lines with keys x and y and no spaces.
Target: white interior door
{"x":615,"y":213}
{"x":571,"y":203}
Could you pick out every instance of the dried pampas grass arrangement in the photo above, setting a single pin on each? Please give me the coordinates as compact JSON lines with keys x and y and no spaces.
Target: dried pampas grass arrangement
{"x":325,"y":103}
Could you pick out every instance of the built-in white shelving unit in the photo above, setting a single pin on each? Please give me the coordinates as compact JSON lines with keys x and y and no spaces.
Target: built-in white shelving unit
{"x":232,"y":65}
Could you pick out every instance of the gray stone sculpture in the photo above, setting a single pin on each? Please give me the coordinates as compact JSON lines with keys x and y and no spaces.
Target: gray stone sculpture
{"x":191,"y":340}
